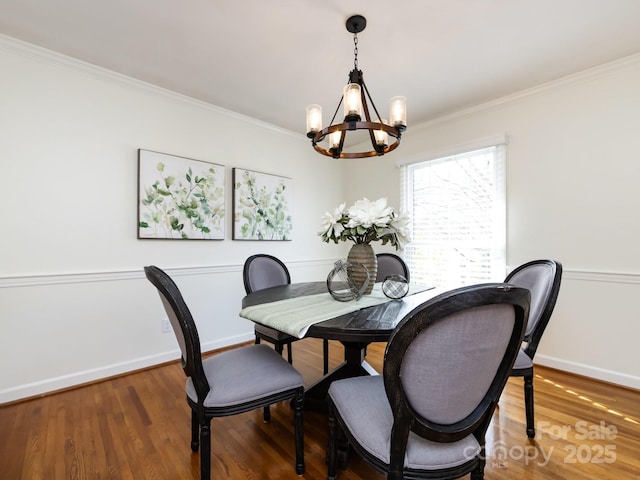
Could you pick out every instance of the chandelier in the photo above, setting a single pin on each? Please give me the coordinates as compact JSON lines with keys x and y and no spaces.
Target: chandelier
{"x":354,"y":104}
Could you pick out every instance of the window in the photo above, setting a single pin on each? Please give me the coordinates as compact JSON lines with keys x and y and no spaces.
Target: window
{"x":457,"y":210}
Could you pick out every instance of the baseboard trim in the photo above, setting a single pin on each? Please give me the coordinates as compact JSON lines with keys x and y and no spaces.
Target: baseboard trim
{"x":78,"y":379}
{"x":589,"y":371}
{"x":50,"y":386}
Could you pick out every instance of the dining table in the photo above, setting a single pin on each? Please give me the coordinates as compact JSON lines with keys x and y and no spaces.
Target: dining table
{"x":308,"y":310}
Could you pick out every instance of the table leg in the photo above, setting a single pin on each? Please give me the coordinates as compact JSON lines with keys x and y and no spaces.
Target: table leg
{"x":354,"y":365}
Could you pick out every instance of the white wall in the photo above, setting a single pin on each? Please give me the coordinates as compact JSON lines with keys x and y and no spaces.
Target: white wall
{"x":75,"y":305}
{"x":573,"y":169}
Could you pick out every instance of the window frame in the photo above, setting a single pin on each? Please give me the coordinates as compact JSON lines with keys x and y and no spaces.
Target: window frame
{"x":497,"y":250}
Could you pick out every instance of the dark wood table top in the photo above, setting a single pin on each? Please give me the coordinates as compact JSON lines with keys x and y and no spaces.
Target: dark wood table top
{"x":370,"y":324}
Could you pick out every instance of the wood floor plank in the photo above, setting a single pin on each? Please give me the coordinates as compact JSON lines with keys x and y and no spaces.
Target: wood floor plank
{"x":138,"y":427}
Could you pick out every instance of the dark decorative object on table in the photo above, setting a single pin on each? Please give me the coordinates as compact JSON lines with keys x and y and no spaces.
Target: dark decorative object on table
{"x":348,"y":281}
{"x":395,"y":286}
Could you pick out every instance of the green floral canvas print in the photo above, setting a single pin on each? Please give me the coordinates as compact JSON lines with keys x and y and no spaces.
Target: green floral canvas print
{"x":261,"y":206}
{"x":179,"y":198}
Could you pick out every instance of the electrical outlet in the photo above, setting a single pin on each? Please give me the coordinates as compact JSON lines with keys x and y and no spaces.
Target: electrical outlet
{"x":166,"y":325}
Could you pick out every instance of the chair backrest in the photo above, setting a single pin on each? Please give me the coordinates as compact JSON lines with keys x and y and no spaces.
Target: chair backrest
{"x":448,"y":361}
{"x":263,"y":271}
{"x":183,"y":326}
{"x":391,"y":264}
{"x":542,"y":278}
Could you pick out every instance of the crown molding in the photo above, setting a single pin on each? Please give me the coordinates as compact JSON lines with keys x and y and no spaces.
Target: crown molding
{"x":584,"y":75}
{"x":35,"y":52}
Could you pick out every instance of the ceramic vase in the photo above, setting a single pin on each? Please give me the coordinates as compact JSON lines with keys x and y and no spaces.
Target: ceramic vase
{"x":365,"y":255}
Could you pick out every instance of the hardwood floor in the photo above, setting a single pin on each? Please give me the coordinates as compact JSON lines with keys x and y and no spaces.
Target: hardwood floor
{"x":138,"y":427}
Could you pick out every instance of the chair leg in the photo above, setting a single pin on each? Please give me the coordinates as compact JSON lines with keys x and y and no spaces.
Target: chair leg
{"x":332,"y":460}
{"x":478,"y":472}
{"x":266,"y":414}
{"x":289,"y":353}
{"x":325,"y":356}
{"x":299,"y":429}
{"x":257,"y":341}
{"x":195,"y":431}
{"x":528,"y":405}
{"x":205,"y":451}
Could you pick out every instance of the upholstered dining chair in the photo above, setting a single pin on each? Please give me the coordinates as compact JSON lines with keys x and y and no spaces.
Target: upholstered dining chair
{"x":263,"y":271}
{"x":228,"y":383}
{"x":542,"y":278}
{"x":391,"y":264}
{"x":427,"y":414}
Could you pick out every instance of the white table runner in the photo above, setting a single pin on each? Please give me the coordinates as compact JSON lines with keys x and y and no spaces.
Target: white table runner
{"x":295,"y":315}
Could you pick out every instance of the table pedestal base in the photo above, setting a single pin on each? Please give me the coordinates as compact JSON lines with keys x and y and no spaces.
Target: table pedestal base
{"x":315,"y":397}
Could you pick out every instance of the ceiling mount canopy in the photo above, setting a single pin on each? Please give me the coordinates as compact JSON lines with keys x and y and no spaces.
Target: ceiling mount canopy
{"x":354,"y":101}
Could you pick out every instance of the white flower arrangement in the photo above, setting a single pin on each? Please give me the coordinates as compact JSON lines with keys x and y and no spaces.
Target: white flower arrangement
{"x":365,"y":222}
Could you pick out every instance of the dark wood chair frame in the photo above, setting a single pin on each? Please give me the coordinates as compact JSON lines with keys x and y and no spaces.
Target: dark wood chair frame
{"x":533,"y":339}
{"x":405,"y":418}
{"x":279,"y":343}
{"x":201,"y":416}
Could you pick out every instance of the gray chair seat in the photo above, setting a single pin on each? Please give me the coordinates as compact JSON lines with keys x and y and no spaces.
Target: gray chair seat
{"x":244,"y":376}
{"x":360,"y":400}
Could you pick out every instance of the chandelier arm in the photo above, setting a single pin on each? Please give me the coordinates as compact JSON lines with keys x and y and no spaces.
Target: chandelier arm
{"x":342,"y":127}
{"x":361,"y":125}
{"x":337,"y":110}
{"x":371,"y":100}
{"x":336,"y":152}
{"x":363,"y":100}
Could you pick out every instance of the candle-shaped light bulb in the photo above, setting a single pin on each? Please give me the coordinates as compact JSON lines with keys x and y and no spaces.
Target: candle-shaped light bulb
{"x":352,"y":103}
{"x":382,"y":137}
{"x":314,"y":119}
{"x":334,"y":140}
{"x":398,"y":112}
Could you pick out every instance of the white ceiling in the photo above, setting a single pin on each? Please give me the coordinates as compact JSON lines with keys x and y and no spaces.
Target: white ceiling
{"x":268,"y":59}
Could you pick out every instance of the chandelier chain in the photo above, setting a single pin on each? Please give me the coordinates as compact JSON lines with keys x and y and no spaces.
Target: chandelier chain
{"x":355,"y":51}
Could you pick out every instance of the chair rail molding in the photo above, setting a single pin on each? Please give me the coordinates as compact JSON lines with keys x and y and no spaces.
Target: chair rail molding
{"x":40,"y":279}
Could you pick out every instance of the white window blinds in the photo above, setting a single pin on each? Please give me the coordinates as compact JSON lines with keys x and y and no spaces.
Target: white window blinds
{"x":457,"y":209}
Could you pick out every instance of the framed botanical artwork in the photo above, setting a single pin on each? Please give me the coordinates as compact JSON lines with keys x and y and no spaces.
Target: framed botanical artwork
{"x":262,"y":206}
{"x":179,"y":198}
